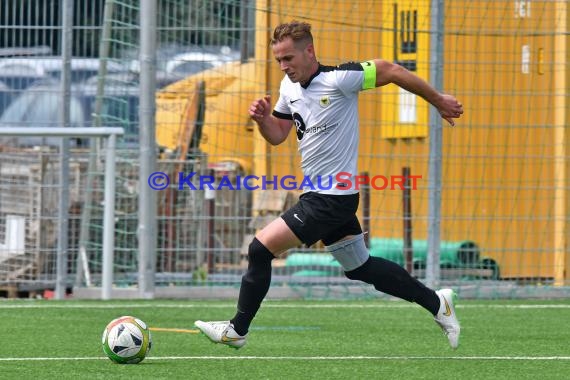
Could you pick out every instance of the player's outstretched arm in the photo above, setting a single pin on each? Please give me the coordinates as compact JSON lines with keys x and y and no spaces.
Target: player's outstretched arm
{"x":388,"y":72}
{"x":274,"y":130}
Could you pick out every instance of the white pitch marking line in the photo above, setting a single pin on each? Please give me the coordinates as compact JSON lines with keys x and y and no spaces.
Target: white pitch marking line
{"x":270,"y":305}
{"x":324,"y":358}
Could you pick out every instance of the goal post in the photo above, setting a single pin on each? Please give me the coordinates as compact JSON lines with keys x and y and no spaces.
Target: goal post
{"x":110,"y":136}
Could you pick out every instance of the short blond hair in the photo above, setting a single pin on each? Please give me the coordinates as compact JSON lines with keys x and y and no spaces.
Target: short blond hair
{"x":296,"y":30}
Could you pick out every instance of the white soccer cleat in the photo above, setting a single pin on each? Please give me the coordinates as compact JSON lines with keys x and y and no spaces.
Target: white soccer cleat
{"x":446,"y":317}
{"x":221,"y":332}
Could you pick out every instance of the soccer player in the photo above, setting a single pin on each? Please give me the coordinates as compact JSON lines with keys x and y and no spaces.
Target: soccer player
{"x":321,"y":102}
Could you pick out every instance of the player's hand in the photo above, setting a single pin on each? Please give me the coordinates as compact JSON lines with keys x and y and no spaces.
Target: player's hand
{"x":449,"y":108}
{"x":260,"y":108}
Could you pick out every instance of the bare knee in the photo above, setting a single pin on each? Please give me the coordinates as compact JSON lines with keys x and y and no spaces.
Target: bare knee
{"x":277,"y":237}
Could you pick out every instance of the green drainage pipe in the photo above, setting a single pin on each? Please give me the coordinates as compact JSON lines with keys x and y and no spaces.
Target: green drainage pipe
{"x":452,"y":254}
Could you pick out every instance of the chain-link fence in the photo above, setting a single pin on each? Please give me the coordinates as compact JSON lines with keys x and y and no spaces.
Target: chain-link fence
{"x":503,"y":193}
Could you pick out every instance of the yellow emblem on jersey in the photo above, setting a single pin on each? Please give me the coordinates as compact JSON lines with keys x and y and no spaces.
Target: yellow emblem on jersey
{"x":325,"y":101}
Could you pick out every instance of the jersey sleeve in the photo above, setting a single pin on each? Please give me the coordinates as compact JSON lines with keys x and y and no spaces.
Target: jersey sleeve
{"x":357,"y":76}
{"x":281,"y":109}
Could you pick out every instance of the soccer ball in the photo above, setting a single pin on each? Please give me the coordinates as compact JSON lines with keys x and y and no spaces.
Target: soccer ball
{"x":126,"y":340}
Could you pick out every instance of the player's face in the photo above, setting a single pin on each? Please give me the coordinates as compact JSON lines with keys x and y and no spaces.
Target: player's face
{"x":297,"y":61}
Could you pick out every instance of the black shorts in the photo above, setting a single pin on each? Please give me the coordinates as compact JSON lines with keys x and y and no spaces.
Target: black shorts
{"x":323,"y":217}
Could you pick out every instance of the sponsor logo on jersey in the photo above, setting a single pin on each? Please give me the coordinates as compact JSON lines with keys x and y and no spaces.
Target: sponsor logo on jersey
{"x":299,"y":126}
{"x":317,"y":129}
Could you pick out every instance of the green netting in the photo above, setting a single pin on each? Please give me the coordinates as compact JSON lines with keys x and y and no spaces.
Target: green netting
{"x":504,"y":167}
{"x":502,"y":210}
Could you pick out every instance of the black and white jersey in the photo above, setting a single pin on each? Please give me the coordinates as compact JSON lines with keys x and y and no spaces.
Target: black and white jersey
{"x":325,"y":113}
